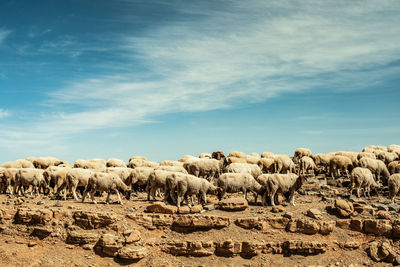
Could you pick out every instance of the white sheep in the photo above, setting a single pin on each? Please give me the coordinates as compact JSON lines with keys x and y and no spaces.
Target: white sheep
{"x":301,"y":152}
{"x":93,"y":164}
{"x":78,"y":177}
{"x":205,"y":155}
{"x":105,"y":182}
{"x":172,"y":169}
{"x":207,"y":168}
{"x":139,"y":176}
{"x":283,"y":164}
{"x":27,"y":177}
{"x":157,"y":181}
{"x":362,"y":178}
{"x":267,"y":155}
{"x":237,"y":154}
{"x":307,"y":164}
{"x":394,"y":185}
{"x":171,"y":163}
{"x":266,"y":165}
{"x":123,"y":172}
{"x":340,"y":163}
{"x":8,"y":179}
{"x":19,"y":163}
{"x":376,"y":166}
{"x":45,"y":162}
{"x":283,"y":183}
{"x":252,"y":169}
{"x":366,"y":154}
{"x":115,"y":163}
{"x":190,"y":185}
{"x":238,"y":182}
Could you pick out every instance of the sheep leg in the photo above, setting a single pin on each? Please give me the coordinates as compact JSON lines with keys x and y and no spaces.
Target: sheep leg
{"x":358,"y":192}
{"x":119,"y":197}
{"x":108,"y":197}
{"x":74,"y":191}
{"x":84,"y":195}
{"x":92,"y":196}
{"x":179,"y":200}
{"x":273,"y":197}
{"x":204,"y":198}
{"x":291,"y":197}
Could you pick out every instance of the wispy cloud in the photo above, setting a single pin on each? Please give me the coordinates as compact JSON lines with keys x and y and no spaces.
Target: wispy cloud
{"x":242,"y":52}
{"x":4,"y":33}
{"x":4,"y":113}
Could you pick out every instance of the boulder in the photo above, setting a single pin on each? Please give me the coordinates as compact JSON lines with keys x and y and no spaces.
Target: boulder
{"x":132,"y":253}
{"x":382,"y":251}
{"x":82,"y":237}
{"x":383,"y":214}
{"x":233,"y":204}
{"x":109,"y":244}
{"x":315,"y":214}
{"x":93,"y":220}
{"x":343,"y":208}
{"x":42,"y":231}
{"x":161,"y":207}
{"x":29,"y":216}
{"x":132,"y":236}
{"x":377,"y":227}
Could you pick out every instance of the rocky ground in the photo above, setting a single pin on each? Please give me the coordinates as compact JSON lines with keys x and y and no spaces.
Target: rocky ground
{"x":325,"y":228}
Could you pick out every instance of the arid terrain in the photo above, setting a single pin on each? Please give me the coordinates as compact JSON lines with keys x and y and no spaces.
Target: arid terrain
{"x":40,"y":231}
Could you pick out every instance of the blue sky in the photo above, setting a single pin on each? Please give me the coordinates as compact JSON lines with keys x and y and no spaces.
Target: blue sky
{"x":101,"y":79}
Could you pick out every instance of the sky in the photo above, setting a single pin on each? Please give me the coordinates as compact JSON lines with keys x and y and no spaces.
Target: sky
{"x":84,"y":79}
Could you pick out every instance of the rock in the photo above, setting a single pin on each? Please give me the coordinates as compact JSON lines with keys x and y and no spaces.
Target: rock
{"x":277,"y":209}
{"x":32,"y":244}
{"x":343,"y":208}
{"x":288,"y":215}
{"x":383,"y":214}
{"x":196,"y":208}
{"x":199,"y":222}
{"x":314,"y":213}
{"x":28,"y":216}
{"x":210,"y":207}
{"x":132,"y":253}
{"x":380,"y":206}
{"x":184,"y":210}
{"x":132,"y":236}
{"x":189,"y":248}
{"x":304,"y":226}
{"x":304,"y":247}
{"x":109,"y":244}
{"x":394,"y":207}
{"x":161,"y":207}
{"x":42,"y":232}
{"x":381,"y":251}
{"x":82,"y":237}
{"x":249,"y":223}
{"x":228,"y":248}
{"x":233,"y":204}
{"x":349,"y":245}
{"x":40,"y":202}
{"x":327,"y":227}
{"x":93,"y":220}
{"x":377,"y":227}
{"x":357,"y":225}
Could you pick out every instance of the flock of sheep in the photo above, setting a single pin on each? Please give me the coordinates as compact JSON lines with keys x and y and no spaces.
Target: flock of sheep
{"x":175,"y":181}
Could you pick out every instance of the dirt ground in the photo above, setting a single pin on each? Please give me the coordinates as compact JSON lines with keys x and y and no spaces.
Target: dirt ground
{"x":19,"y":248}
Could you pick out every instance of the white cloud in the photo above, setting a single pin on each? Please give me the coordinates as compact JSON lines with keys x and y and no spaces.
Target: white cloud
{"x":4,"y":113}
{"x":244,"y":52}
{"x":4,"y":34}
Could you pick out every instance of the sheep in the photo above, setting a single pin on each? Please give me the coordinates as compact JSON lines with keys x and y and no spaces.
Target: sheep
{"x":266,"y":165}
{"x":172,"y":169}
{"x":205,"y":155}
{"x":392,"y":166}
{"x":340,"y":163}
{"x":252,"y":159}
{"x":187,"y":158}
{"x":133,"y":163}
{"x":387,"y":157}
{"x":301,"y":152}
{"x":238,"y":182}
{"x":139,"y":176}
{"x":189,"y":185}
{"x":393,"y":148}
{"x":351,"y":155}
{"x":252,"y":169}
{"x":373,"y":148}
{"x":78,"y":177}
{"x":362,"y":178}
{"x":93,"y":164}
{"x":283,"y":183}
{"x":27,"y":177}
{"x":255,"y":154}
{"x":157,"y":180}
{"x":115,"y":163}
{"x":263,"y":181}
{"x":105,"y":182}
{"x":123,"y":172}
{"x":171,"y":183}
{"x":307,"y":164}
{"x":230,"y":160}
{"x":267,"y":155}
{"x":322,"y":160}
{"x":8,"y":178}
{"x":171,"y":163}
{"x":19,"y":163}
{"x":65,"y":164}
{"x":218,"y":155}
{"x":376,"y":166}
{"x":394,"y":185}
{"x":207,"y":168}
{"x":366,"y":154}
{"x":283,"y":163}
{"x":58,"y":177}
{"x":45,"y":162}
{"x":237,"y":154}
{"x":137,"y":157}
